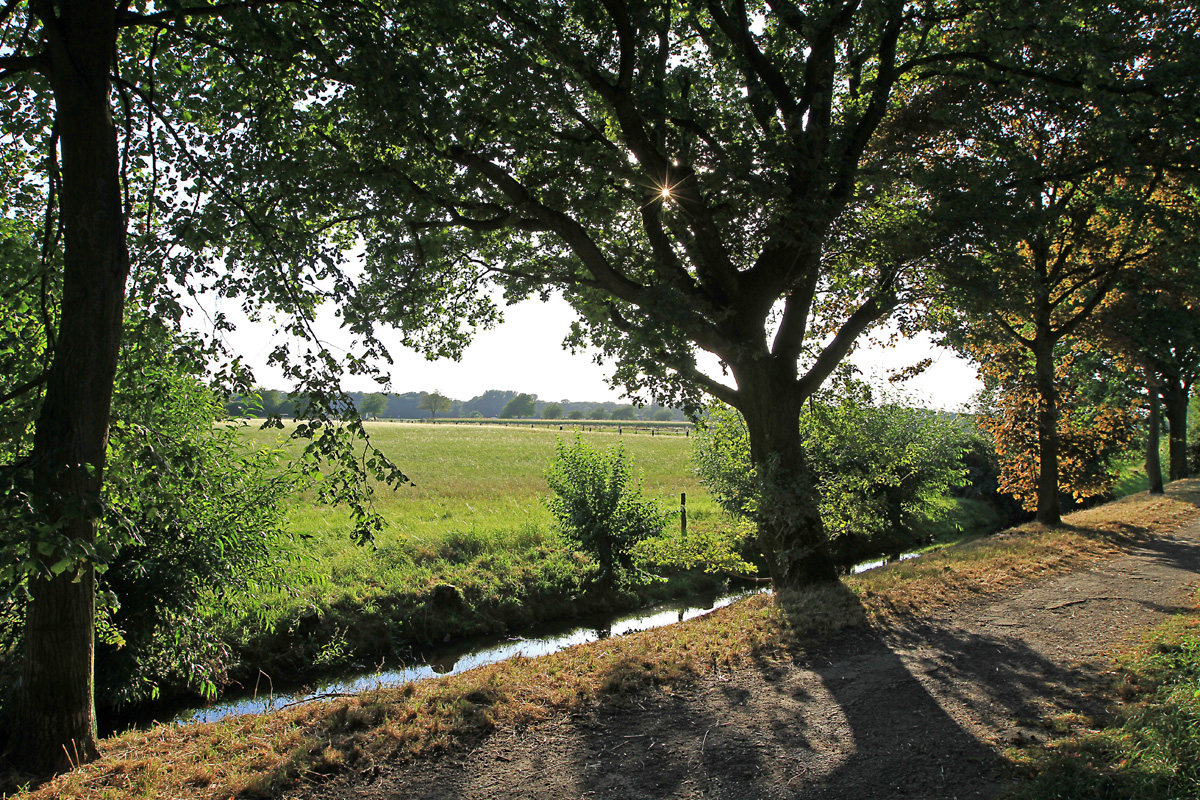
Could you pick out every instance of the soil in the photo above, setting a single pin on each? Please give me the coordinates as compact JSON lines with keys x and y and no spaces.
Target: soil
{"x":925,"y":709}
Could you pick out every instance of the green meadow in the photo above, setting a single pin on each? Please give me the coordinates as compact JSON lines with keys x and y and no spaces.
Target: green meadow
{"x":475,"y":521}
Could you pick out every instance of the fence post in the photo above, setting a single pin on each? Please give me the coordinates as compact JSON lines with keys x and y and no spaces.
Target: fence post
{"x":682,"y":515}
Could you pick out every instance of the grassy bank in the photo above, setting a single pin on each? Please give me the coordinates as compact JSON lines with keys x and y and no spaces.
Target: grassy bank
{"x":257,"y":754}
{"x":469,"y":549}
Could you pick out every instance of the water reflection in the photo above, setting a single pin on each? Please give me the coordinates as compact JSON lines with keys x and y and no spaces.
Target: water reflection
{"x":866,"y":565}
{"x":453,"y":660}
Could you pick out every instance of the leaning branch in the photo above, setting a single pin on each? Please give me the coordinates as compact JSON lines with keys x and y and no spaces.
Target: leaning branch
{"x":16,"y":65}
{"x":25,"y":387}
{"x":874,"y":309}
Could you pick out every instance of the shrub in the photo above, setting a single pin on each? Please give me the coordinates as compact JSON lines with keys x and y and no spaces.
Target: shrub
{"x":599,"y":507}
{"x":189,"y":512}
{"x":882,"y":468}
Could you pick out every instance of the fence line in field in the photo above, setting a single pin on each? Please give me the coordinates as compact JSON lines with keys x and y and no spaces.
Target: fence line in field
{"x":583,"y":426}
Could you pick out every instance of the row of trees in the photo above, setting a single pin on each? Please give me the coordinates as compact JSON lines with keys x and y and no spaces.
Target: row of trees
{"x":414,"y":405}
{"x":766,"y":181}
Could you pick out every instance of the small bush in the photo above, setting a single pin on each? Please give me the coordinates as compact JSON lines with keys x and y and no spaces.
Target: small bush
{"x":600,"y":508}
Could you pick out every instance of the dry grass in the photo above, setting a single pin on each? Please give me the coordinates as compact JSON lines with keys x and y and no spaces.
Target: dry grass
{"x":985,"y":566}
{"x":255,"y":755}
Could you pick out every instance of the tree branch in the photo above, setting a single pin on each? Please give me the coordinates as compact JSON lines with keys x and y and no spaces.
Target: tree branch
{"x":25,"y":387}
{"x":15,"y":65}
{"x":126,"y":18}
{"x":874,"y":309}
{"x":756,"y":63}
{"x":885,"y":78}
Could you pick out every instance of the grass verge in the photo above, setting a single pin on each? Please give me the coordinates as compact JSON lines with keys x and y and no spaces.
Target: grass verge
{"x":256,"y":755}
{"x":1150,"y":750}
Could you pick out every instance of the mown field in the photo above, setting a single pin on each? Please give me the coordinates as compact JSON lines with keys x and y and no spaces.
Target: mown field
{"x":475,"y":519}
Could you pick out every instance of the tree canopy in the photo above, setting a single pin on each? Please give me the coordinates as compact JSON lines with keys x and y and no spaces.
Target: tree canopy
{"x":435,"y":403}
{"x":730,"y":176}
{"x":522,"y":405}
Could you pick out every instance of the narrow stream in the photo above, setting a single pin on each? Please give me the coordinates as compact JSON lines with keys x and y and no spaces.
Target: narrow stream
{"x":465,"y":656}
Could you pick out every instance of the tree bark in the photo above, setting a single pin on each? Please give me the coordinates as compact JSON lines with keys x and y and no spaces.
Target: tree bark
{"x":1048,"y":511}
{"x":791,"y":534}
{"x":1175,"y":393}
{"x":1153,"y":467}
{"x":55,"y":702}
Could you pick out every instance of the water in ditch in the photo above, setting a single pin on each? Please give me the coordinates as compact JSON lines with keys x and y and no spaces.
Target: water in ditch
{"x":464,"y":656}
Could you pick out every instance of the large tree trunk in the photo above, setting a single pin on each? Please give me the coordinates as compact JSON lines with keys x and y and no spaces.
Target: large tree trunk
{"x":55,"y":706}
{"x":1176,"y":396}
{"x":1048,"y":511}
{"x":791,"y":535}
{"x":1153,"y":467}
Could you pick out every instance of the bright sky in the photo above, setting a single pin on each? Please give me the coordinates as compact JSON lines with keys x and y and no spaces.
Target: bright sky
{"x":525,"y":354}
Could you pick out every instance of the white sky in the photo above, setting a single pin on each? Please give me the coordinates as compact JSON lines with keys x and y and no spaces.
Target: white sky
{"x":525,"y":354}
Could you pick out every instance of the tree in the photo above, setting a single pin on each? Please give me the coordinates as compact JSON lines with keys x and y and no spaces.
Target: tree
{"x":687,"y":175}
{"x":664,"y":415}
{"x":1153,"y":324}
{"x":624,"y":413}
{"x":59,"y":65}
{"x":372,"y":405}
{"x":600,"y":508}
{"x":522,"y":405}
{"x":72,"y":51}
{"x":552,"y":411}
{"x":884,"y":468}
{"x":488,"y":404}
{"x":435,"y":403}
{"x":1069,"y":220}
{"x":273,"y":401}
{"x":598,"y":413}
{"x":576,"y":414}
{"x":713,"y":175}
{"x":1095,"y":423}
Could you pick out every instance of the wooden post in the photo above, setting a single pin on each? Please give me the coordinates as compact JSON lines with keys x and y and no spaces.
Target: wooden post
{"x":682,"y":515}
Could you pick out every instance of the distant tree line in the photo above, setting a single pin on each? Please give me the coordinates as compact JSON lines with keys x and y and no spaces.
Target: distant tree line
{"x":492,"y":404}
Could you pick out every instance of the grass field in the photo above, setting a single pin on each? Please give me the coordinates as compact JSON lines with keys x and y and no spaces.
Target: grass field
{"x":475,"y":520}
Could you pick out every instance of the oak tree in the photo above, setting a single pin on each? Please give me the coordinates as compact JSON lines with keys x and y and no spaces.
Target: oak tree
{"x":688,"y":174}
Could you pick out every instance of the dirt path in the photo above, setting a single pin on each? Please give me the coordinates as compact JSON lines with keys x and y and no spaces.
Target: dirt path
{"x":919,"y":711}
